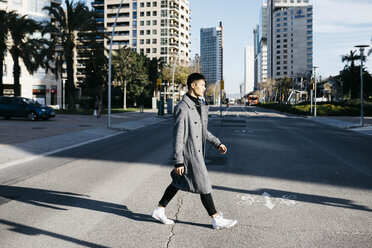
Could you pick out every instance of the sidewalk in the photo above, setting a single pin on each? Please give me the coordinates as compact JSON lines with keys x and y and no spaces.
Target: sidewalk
{"x":346,"y":122}
{"x":22,"y":141}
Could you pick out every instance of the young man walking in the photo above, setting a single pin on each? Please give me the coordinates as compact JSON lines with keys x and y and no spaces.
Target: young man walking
{"x":189,"y":136}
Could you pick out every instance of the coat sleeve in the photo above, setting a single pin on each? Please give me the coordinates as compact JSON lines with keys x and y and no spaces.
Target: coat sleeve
{"x":178,"y":136}
{"x":212,"y":139}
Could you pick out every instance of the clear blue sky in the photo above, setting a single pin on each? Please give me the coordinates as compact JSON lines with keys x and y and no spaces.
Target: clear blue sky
{"x":338,"y":26}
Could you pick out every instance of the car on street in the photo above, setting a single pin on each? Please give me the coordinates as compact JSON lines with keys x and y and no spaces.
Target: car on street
{"x":24,"y":107}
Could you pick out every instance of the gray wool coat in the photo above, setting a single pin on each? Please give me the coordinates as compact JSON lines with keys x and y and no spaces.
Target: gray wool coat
{"x":189,"y":137}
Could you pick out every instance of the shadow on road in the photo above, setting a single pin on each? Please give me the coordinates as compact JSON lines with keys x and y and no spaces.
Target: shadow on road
{"x":32,"y":231}
{"x":316,"y":199}
{"x":58,"y":200}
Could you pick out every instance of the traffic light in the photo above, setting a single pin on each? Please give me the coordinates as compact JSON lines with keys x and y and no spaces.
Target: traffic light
{"x":222,"y":84}
{"x":158,"y":83}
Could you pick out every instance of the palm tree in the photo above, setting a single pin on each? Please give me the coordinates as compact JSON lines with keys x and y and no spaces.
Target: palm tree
{"x":4,"y":30}
{"x":352,"y":57}
{"x":24,"y":47}
{"x":350,"y":74}
{"x":67,"y":28}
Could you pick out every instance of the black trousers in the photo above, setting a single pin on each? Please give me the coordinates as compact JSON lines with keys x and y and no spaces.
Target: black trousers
{"x":206,"y":199}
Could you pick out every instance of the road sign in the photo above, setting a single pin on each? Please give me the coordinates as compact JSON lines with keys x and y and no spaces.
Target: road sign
{"x":222,"y":84}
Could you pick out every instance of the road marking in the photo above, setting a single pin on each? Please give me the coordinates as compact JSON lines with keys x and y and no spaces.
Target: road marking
{"x":285,"y":200}
{"x":268,"y":201}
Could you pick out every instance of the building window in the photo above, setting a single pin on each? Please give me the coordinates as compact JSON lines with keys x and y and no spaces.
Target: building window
{"x":135,"y":6}
{"x":163,"y":50}
{"x":278,"y":25}
{"x":278,"y":19}
{"x":148,"y":50}
{"x":148,"y":32}
{"x":142,"y":51}
{"x":154,"y":41}
{"x":154,"y":22}
{"x":278,"y":30}
{"x":148,"y":13}
{"x":148,"y":4}
{"x":154,"y":50}
{"x":142,"y":5}
{"x":142,"y":13}
{"x":142,"y":41}
{"x":142,"y":32}
{"x":154,"y":31}
{"x":154,"y":13}
{"x":134,"y":42}
{"x":134,"y":33}
{"x":142,"y":23}
{"x":154,"y":4}
{"x":148,"y":41}
{"x":134,"y":14}
{"x":148,"y":22}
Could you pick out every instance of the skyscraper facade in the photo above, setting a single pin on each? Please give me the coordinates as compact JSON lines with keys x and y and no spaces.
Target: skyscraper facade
{"x":290,"y":38}
{"x":249,"y":66}
{"x":211,"y":54}
{"x":157,"y":28}
{"x":40,"y":85}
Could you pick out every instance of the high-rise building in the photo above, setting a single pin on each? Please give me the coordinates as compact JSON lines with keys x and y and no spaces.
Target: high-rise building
{"x":260,"y":47}
{"x":249,"y":65}
{"x":211,"y":54}
{"x":290,"y":38}
{"x":156,"y":28}
{"x":40,"y":85}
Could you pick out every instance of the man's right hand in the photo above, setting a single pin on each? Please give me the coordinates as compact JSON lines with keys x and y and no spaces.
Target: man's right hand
{"x":180,"y":170}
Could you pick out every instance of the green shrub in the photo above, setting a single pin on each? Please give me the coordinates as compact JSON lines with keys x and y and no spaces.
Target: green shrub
{"x":350,"y":108}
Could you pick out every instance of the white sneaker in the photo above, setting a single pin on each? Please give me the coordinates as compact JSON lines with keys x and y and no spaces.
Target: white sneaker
{"x":220,"y":223}
{"x":159,"y":214}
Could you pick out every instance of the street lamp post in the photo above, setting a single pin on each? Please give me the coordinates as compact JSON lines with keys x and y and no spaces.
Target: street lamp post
{"x":361,"y":49}
{"x":315,"y":67}
{"x":109,"y":71}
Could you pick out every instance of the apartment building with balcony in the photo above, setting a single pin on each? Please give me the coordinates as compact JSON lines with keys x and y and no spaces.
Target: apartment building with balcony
{"x":156,"y":28}
{"x":40,"y":85}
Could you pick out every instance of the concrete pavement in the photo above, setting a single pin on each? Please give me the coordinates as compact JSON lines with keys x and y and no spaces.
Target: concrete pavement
{"x":22,"y":141}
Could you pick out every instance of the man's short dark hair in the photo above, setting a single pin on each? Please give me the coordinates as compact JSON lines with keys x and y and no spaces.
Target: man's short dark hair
{"x":194,"y":77}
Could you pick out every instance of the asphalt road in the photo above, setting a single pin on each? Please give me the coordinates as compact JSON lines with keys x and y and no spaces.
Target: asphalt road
{"x":289,"y":182}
